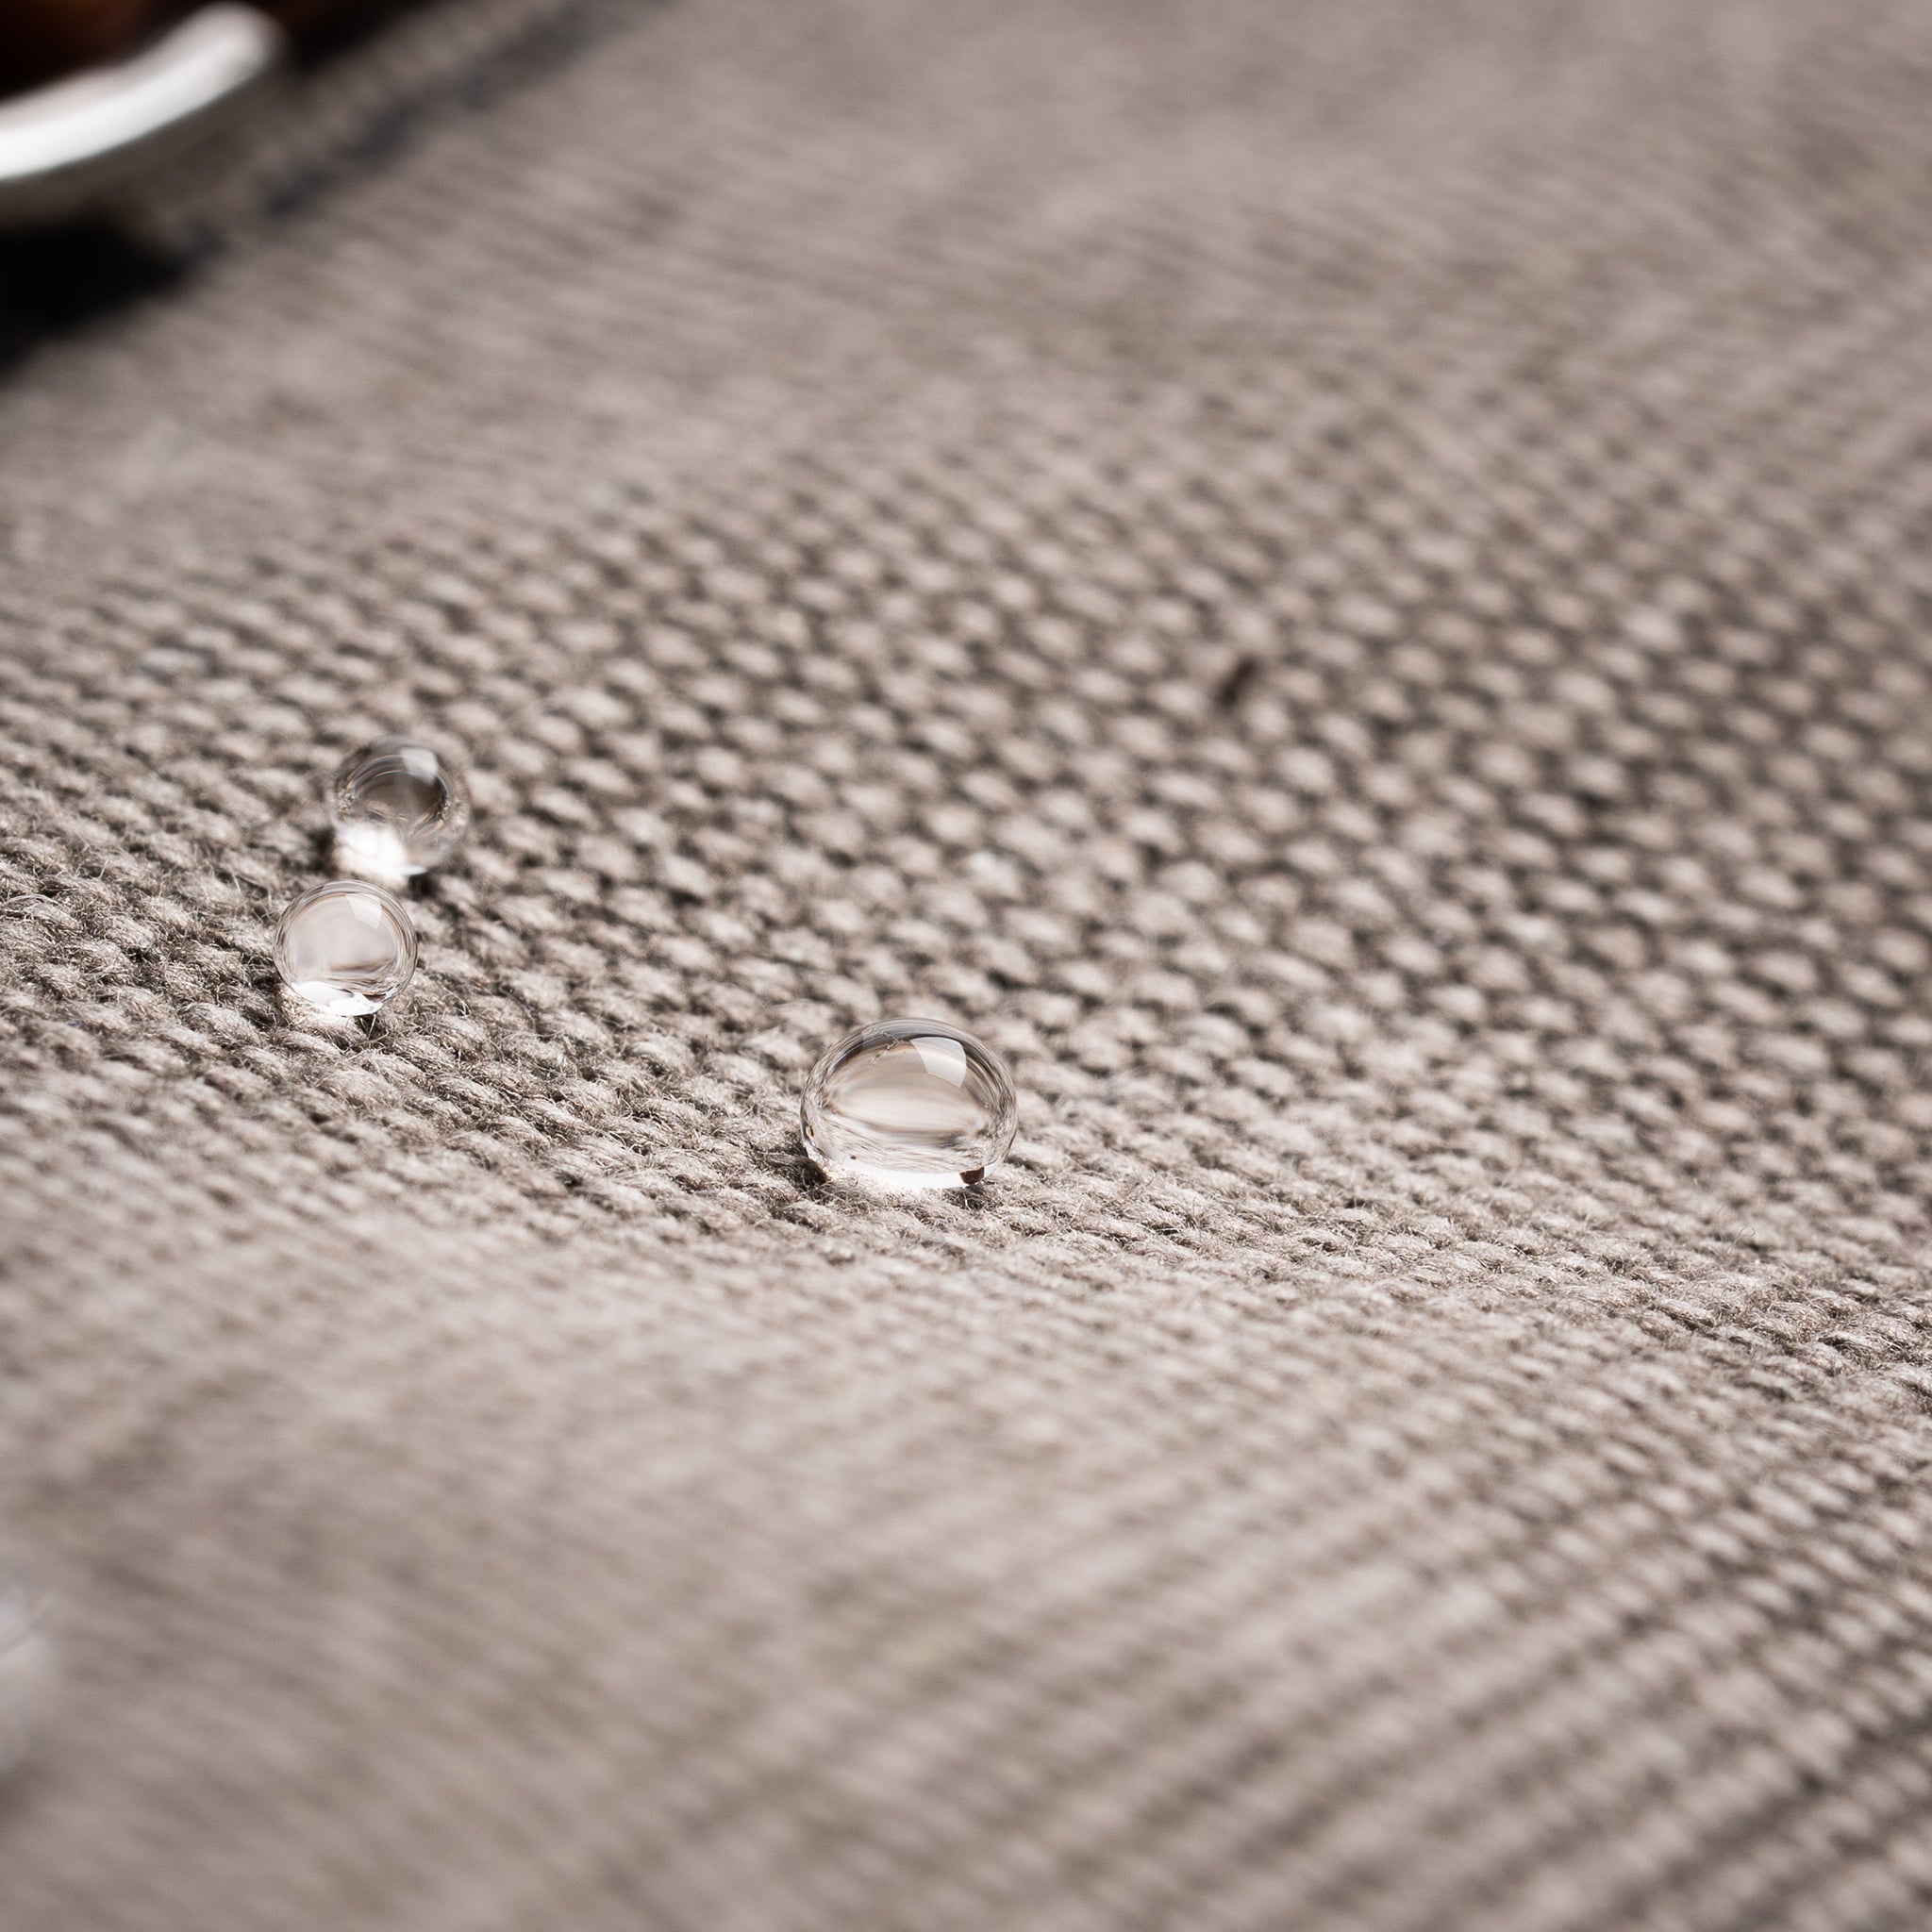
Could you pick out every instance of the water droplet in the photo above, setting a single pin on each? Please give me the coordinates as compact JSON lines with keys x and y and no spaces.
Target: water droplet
{"x":348,"y":947}
{"x":399,"y":807}
{"x":909,"y":1104}
{"x":26,"y":1665}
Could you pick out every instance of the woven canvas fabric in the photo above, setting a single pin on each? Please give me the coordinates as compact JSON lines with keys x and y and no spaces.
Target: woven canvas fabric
{"x":1346,"y":586}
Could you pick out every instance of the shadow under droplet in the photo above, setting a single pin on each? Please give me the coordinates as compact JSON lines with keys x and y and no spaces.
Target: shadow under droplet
{"x":975,"y":1197}
{"x":794,"y":1165}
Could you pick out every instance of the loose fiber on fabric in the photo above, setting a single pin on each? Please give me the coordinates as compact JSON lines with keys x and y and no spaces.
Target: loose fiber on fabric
{"x":1346,"y":587}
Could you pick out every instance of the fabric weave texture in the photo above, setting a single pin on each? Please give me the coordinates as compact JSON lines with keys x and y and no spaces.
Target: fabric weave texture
{"x":1347,"y":586}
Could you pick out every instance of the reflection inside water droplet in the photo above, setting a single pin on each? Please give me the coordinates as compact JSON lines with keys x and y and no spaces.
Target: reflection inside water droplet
{"x":347,"y":947}
{"x":909,"y":1104}
{"x":399,"y":807}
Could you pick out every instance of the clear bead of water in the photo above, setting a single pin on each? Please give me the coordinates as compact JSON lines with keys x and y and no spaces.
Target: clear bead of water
{"x":347,"y":947}
{"x":909,"y":1104}
{"x":399,"y":806}
{"x":26,"y":1665}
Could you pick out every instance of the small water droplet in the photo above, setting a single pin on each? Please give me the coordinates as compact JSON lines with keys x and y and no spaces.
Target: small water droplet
{"x":347,"y":947}
{"x":909,"y":1104}
{"x":399,"y":807}
{"x":26,"y":1665}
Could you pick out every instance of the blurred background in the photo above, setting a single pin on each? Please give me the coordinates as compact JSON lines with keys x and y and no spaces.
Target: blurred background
{"x":1347,"y":585}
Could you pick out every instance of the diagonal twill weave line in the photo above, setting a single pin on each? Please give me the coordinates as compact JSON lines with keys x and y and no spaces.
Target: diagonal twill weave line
{"x":742,"y":788}
{"x":1388,"y":680}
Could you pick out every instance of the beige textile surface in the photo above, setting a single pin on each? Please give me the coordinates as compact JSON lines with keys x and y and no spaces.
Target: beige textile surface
{"x":1348,"y":583}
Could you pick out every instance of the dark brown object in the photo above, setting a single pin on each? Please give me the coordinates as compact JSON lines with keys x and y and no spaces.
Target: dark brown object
{"x":42,"y":41}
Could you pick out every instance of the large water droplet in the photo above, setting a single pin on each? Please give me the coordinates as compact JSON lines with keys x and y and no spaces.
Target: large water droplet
{"x":399,"y":807}
{"x":909,"y":1104}
{"x":347,"y":947}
